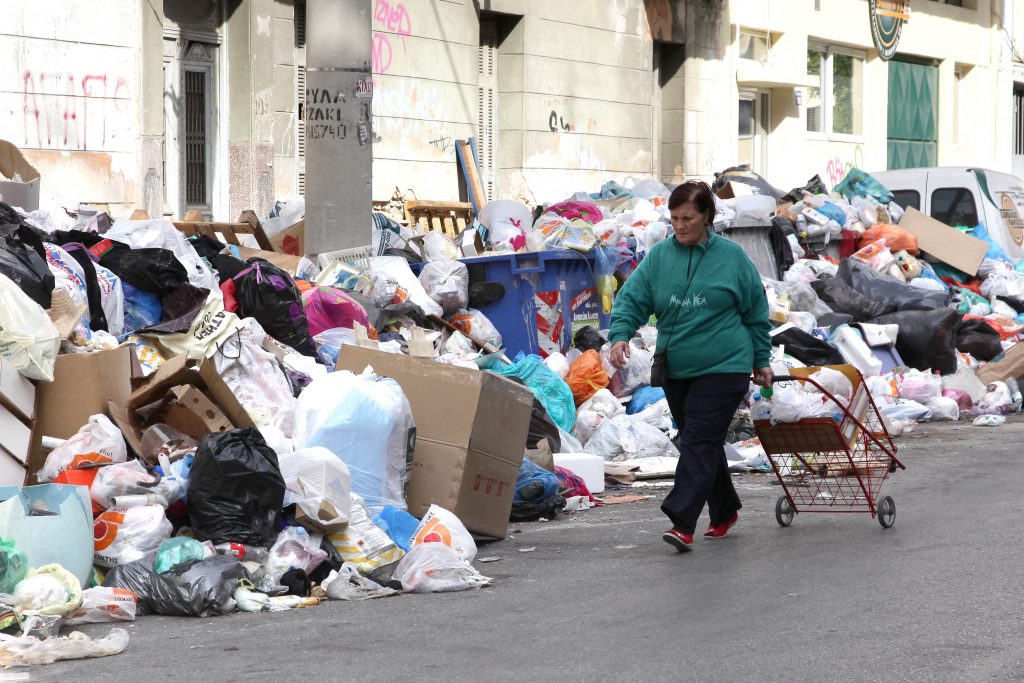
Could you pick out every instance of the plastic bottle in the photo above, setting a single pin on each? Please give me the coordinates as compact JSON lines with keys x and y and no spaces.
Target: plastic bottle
{"x":242,"y":552}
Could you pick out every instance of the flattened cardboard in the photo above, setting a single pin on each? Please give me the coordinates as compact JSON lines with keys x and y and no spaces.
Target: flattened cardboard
{"x":24,"y":194}
{"x":286,"y":262}
{"x":961,"y":251}
{"x":1010,"y":365}
{"x":471,"y":430}
{"x":12,"y":471}
{"x":15,"y":436}
{"x":16,"y":392}
{"x":81,"y":387}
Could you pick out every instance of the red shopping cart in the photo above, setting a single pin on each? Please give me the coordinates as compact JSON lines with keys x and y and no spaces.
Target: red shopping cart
{"x":832,"y":464}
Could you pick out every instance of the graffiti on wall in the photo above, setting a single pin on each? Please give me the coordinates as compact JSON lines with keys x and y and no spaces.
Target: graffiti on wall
{"x":71,"y":111}
{"x":390,"y":20}
{"x":836,"y":169}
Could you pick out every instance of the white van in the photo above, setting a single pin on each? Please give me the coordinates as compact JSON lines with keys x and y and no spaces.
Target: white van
{"x":965,"y":196}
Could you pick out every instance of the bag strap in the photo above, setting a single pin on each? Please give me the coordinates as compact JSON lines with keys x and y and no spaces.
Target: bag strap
{"x":675,"y":317}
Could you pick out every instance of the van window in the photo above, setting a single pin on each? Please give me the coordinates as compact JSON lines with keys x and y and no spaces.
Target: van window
{"x":907,"y":198}
{"x":954,"y":206}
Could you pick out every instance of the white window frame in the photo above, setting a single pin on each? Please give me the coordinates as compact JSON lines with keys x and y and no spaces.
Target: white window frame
{"x":755,"y":33}
{"x":826,"y":94}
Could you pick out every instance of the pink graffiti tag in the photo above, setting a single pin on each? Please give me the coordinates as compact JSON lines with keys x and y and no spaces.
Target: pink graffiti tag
{"x":393,"y":18}
{"x":381,"y":55}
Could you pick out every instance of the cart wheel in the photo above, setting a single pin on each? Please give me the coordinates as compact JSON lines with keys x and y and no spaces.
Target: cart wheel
{"x":886,"y":510}
{"x":783,"y":511}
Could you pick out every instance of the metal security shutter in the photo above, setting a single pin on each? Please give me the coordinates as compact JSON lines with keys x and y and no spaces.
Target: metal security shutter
{"x":195,"y":138}
{"x":487,"y":58}
{"x":913,"y":115}
{"x":300,"y":92}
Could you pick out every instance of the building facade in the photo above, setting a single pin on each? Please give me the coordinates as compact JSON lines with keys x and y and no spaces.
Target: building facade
{"x":172,"y":105}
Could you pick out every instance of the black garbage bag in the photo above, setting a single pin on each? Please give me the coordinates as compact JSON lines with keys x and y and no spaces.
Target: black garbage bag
{"x":201,"y":588}
{"x":209,"y":248}
{"x":587,"y":339}
{"x":842,"y":298}
{"x":744,"y":176}
{"x":23,"y":260}
{"x":152,"y":269}
{"x":888,"y":291}
{"x":927,"y":339}
{"x":815,"y":186}
{"x":235,"y":489}
{"x":137,"y":577}
{"x":806,"y":348}
{"x":834,"y":320}
{"x":268,"y":294}
{"x":979,"y":339}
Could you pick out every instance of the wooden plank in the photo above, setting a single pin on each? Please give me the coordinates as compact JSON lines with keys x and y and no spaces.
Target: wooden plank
{"x":472,"y":173}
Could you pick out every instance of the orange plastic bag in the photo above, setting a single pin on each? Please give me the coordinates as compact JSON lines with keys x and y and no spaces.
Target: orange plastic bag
{"x":586,"y":376}
{"x":897,"y":239}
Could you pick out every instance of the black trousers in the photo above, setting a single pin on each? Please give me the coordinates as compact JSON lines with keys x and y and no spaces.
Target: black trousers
{"x":703,"y":407}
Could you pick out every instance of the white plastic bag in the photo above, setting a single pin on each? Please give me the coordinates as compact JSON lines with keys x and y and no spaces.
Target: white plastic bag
{"x":436,"y":568}
{"x":944,"y":408}
{"x":162,"y":234}
{"x":294,"y":548}
{"x":594,"y":411}
{"x":67,"y":273}
{"x":997,"y":395}
{"x":394,"y":281}
{"x":446,"y":283}
{"x":31,"y":651}
{"x":348,"y":584}
{"x":127,"y":534}
{"x":506,"y":221}
{"x":111,"y":299}
{"x":255,"y":378}
{"x":441,"y":526}
{"x":657,"y":415}
{"x":212,"y":326}
{"x":558,"y":364}
{"x":29,"y":341}
{"x":437,"y":247}
{"x":832,"y":381}
{"x":476,"y":326}
{"x":635,"y":373}
{"x":102,"y":604}
{"x":625,"y":437}
{"x":50,"y":590}
{"x":99,"y":435}
{"x":790,"y":404}
{"x":317,"y":482}
{"x":120,"y":479}
{"x":366,"y":421}
{"x":899,"y":409}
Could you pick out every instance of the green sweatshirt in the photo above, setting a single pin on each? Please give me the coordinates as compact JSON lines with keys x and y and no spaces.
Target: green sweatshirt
{"x":718,"y":325}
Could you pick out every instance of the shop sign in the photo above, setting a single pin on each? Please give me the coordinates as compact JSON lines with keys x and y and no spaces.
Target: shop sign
{"x":887,"y":19}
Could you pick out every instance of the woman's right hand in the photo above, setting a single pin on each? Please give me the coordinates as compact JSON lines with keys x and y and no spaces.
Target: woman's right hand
{"x":620,"y":353}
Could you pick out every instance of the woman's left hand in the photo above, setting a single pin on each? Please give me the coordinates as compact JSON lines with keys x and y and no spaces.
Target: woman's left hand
{"x":763,"y":377}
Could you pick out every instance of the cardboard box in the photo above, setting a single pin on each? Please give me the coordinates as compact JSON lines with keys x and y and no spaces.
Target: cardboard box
{"x":16,"y":392}
{"x":191,"y":412}
{"x":1010,"y":365}
{"x":961,"y":251}
{"x":15,"y":445}
{"x":286,"y":262}
{"x":178,"y":372}
{"x":470,"y":242}
{"x":82,"y":386}
{"x":291,"y":240}
{"x":471,"y":430}
{"x":24,"y":194}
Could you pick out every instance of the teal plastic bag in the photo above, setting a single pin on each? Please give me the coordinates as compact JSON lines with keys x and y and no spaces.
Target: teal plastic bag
{"x":550,"y":389}
{"x":857,"y":183}
{"x":177,"y":551}
{"x":13,"y":566}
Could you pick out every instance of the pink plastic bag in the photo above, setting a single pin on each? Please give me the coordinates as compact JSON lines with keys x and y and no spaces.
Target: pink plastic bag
{"x":583,"y":210}
{"x":331,"y":307}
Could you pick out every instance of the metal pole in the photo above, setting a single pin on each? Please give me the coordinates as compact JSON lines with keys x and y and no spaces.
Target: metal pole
{"x":338,"y":116}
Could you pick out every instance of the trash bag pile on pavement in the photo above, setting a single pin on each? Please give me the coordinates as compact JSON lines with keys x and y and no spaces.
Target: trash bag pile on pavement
{"x":245,"y":432}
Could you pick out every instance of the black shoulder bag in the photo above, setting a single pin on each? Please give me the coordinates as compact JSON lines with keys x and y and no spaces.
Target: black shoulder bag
{"x":659,"y":366}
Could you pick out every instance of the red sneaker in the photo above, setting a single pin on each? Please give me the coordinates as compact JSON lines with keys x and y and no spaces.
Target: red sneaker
{"x":720,"y":530}
{"x":678,"y":540}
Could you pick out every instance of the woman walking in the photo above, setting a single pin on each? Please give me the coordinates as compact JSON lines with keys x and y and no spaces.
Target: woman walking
{"x":712,"y":317}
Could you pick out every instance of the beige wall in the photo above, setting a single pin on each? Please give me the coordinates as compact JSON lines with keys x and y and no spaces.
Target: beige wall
{"x":67,"y":97}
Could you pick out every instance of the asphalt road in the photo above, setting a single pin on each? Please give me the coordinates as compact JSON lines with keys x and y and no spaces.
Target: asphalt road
{"x":937,"y":597}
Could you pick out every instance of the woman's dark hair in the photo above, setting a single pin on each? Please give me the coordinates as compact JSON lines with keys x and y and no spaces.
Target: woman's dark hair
{"x":696,"y":192}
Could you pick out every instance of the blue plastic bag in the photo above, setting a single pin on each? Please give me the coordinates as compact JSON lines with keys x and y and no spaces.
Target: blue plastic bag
{"x":550,"y":389}
{"x":994,"y":250}
{"x":141,"y":309}
{"x":398,"y":524}
{"x":180,"y":469}
{"x":643,"y":397}
{"x":530,"y":472}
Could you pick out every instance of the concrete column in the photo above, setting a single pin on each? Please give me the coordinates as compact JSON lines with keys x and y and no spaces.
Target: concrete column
{"x":709,"y":92}
{"x":339,"y":135}
{"x":149,"y":194}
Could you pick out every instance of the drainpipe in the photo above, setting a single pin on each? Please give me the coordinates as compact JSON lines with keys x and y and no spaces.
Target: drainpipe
{"x":338,"y":117}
